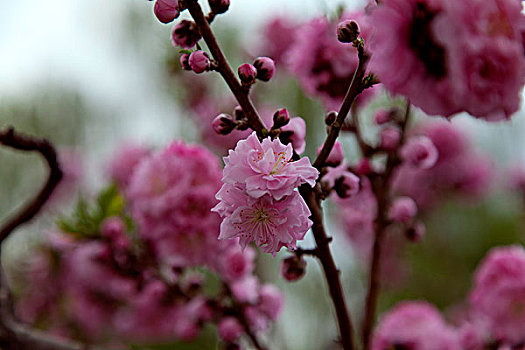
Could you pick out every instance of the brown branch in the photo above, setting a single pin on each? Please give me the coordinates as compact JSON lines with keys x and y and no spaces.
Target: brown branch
{"x":356,"y":87}
{"x":240,"y":93}
{"x":330,"y":270}
{"x":11,"y":138}
{"x":14,"y":335}
{"x":381,"y":187}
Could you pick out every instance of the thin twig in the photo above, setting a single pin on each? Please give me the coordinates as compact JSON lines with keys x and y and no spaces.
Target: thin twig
{"x":240,"y":93}
{"x":356,"y":87}
{"x":330,"y":270}
{"x":381,"y":187}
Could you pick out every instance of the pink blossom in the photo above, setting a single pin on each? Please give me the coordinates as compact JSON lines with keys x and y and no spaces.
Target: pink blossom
{"x":271,"y":301}
{"x":246,"y":290}
{"x":237,"y":264}
{"x":278,"y":35}
{"x":459,"y":170}
{"x":342,"y":181}
{"x":389,"y":138}
{"x":403,"y":209}
{"x":420,"y":152}
{"x":499,"y":293}
{"x":323,"y":65}
{"x":266,"y":168}
{"x":451,"y":56}
{"x":114,"y":228}
{"x":415,"y":325}
{"x":412,"y":62}
{"x":123,"y":163}
{"x":229,"y":329}
{"x":270,"y":223}
{"x":171,"y":194}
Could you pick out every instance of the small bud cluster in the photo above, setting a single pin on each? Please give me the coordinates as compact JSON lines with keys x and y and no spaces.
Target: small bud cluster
{"x":262,"y":68}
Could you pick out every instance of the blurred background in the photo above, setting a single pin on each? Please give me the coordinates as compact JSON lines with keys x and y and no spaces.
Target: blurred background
{"x":92,"y":74}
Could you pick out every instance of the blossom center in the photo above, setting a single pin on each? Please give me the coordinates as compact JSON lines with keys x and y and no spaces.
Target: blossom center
{"x":279,"y":164}
{"x":422,"y":42}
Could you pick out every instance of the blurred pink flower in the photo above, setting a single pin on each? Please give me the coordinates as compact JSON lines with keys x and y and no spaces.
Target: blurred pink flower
{"x":414,"y":325}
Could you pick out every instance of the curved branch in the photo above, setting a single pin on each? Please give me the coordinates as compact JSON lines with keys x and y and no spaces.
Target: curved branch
{"x":12,"y":139}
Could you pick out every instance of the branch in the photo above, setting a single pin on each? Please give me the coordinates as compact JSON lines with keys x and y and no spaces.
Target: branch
{"x":11,"y":138}
{"x":330,"y":270}
{"x":224,"y":68}
{"x":356,"y":87}
{"x":381,"y":189}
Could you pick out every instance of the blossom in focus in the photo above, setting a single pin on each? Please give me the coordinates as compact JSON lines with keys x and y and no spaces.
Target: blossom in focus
{"x":414,"y":325}
{"x":271,"y":224}
{"x":266,"y":168}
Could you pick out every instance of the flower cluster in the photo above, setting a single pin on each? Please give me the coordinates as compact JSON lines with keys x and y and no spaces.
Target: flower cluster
{"x":458,"y":169}
{"x":451,"y":56}
{"x":130,"y":270}
{"x":258,"y":199}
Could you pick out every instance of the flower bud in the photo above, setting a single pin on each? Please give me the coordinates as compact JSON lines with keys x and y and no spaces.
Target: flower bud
{"x":265,"y":68}
{"x":219,"y":6}
{"x":223,"y":124}
{"x":166,"y":10}
{"x":390,"y":138}
{"x":185,"y":34}
{"x":347,"y":31}
{"x":280,"y":118}
{"x":184,"y":61}
{"x":330,"y":118}
{"x":247,"y":73}
{"x":347,"y":185}
{"x":382,"y":116}
{"x":199,"y":61}
{"x":416,"y":232}
{"x":403,"y":209}
{"x":293,"y":268}
{"x":420,"y":152}
{"x":363,"y":167}
{"x":238,"y":113}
